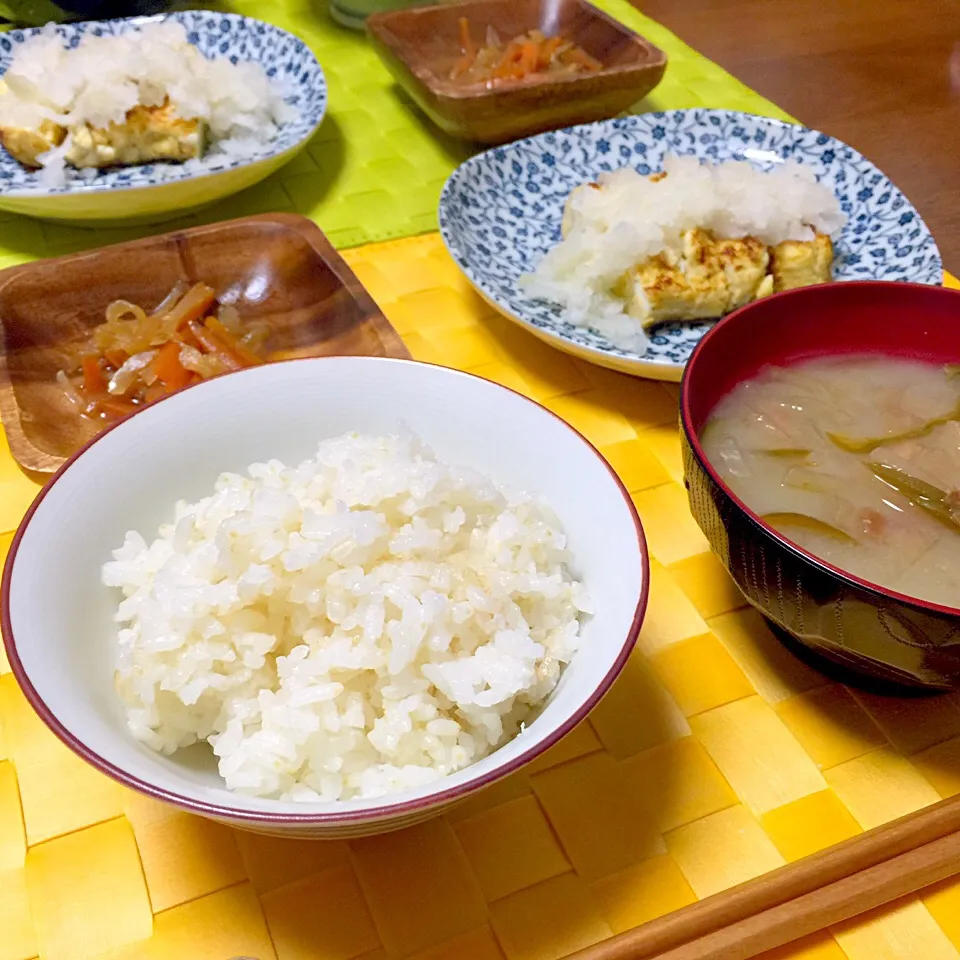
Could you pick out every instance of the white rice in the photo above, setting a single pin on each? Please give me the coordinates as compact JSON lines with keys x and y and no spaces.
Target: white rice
{"x":366,"y":622}
{"x":103,"y":78}
{"x":631,"y":218}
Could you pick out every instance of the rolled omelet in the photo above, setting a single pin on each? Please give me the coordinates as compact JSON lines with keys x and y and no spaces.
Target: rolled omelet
{"x":147,"y":134}
{"x":25,"y":145}
{"x":707,"y":278}
{"x":801,"y":263}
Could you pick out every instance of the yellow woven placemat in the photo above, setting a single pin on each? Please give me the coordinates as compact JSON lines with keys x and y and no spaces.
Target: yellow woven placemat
{"x":716,"y":757}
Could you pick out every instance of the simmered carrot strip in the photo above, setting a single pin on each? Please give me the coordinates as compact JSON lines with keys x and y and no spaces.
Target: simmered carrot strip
{"x":583,"y":59}
{"x":156,"y":391}
{"x":193,"y":305}
{"x":115,"y":407}
{"x":116,"y":357}
{"x":506,"y":67}
{"x":467,"y":46}
{"x":547,"y":50}
{"x":461,"y":67}
{"x":230,"y":342}
{"x":93,"y":381}
{"x":209,"y":343}
{"x":170,"y":371}
{"x":528,"y":58}
{"x":185,"y":335}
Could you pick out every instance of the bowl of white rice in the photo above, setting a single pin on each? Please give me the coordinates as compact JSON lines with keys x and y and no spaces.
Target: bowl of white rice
{"x":325,"y":597}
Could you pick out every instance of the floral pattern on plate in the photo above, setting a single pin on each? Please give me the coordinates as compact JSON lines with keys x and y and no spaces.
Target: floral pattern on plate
{"x":500,"y":212}
{"x":285,"y":58}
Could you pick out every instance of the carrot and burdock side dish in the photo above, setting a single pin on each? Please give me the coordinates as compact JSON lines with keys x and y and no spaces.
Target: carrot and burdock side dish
{"x":530,"y":54}
{"x":134,"y":357}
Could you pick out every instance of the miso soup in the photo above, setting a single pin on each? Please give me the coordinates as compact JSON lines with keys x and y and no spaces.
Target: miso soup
{"x":855,"y":459}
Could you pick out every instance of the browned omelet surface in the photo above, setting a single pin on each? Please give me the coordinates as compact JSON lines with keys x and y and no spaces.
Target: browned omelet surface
{"x":25,"y":145}
{"x":711,"y":277}
{"x":801,"y":263}
{"x":147,"y":134}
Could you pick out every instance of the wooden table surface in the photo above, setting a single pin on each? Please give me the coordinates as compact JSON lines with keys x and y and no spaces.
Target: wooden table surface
{"x":882,"y":75}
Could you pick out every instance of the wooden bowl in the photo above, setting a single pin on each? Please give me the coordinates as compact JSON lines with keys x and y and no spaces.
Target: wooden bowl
{"x":420,"y":47}
{"x":279,"y":270}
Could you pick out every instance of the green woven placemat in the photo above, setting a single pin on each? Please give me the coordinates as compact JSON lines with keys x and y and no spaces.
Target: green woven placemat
{"x":375,"y":169}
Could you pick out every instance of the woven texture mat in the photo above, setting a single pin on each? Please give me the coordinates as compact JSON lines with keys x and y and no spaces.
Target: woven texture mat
{"x":715,"y":758}
{"x":375,"y":168}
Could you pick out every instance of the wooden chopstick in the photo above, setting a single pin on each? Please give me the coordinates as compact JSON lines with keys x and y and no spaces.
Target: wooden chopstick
{"x":844,"y":881}
{"x":843,"y":900}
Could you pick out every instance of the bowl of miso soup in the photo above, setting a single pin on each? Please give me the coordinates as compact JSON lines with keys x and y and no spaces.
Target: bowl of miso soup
{"x":822,"y":459}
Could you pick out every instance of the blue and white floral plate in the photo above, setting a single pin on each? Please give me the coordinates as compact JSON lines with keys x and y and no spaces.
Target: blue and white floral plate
{"x":500,"y":212}
{"x":158,"y":191}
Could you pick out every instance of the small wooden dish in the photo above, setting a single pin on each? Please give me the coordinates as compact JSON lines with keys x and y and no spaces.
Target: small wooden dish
{"x":420,"y":46}
{"x":279,"y":270}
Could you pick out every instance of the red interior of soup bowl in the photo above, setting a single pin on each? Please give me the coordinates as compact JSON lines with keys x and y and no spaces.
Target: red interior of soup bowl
{"x":898,"y":319}
{"x":906,"y":320}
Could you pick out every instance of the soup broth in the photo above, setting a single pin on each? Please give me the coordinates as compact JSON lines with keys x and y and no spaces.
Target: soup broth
{"x":855,"y":459}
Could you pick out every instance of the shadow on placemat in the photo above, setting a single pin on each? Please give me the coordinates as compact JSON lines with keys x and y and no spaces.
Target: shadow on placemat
{"x":328,"y":149}
{"x":455,"y":151}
